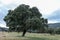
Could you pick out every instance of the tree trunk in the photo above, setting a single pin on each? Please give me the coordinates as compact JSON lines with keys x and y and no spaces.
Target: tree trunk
{"x":24,"y":32}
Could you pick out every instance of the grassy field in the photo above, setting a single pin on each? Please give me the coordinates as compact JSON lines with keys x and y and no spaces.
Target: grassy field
{"x":28,"y":36}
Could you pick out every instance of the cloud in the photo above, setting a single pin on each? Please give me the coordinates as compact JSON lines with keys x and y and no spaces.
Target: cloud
{"x":53,"y":21}
{"x":46,"y":7}
{"x":3,"y":25}
{"x":55,"y":17}
{"x":7,"y":2}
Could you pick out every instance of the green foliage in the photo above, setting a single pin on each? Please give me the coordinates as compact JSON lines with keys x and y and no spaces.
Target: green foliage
{"x":54,"y":30}
{"x":57,"y":30}
{"x":51,"y":31}
{"x":23,"y":17}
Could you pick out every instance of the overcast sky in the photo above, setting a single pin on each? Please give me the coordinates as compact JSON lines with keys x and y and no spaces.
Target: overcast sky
{"x":50,"y":9}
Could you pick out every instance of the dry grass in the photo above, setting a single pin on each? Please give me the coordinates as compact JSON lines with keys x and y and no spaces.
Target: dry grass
{"x":29,"y":36}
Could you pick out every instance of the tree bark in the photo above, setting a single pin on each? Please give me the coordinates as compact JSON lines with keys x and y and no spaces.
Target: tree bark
{"x":24,"y":32}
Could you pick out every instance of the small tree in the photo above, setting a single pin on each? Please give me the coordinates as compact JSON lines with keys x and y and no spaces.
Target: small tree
{"x":58,"y":31}
{"x":51,"y":31}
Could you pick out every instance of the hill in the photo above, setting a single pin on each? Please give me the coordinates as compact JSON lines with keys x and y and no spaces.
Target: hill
{"x":3,"y":29}
{"x":54,"y":25}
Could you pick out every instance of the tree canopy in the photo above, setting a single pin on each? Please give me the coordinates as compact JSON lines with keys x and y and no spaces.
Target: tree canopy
{"x":23,"y":18}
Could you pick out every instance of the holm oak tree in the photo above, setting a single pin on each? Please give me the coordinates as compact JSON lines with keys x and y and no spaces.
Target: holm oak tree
{"x":23,"y":18}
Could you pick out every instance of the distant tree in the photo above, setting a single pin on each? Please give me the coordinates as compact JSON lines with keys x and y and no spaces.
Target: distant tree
{"x":58,"y":31}
{"x":23,"y":18}
{"x":52,"y":31}
{"x":44,"y":26}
